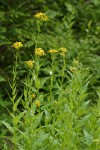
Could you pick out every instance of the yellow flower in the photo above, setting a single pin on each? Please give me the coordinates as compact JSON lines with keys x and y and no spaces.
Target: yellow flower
{"x":56,"y":102}
{"x":63,"y":51}
{"x":76,"y":62}
{"x":17,"y":45}
{"x":39,"y":52}
{"x":72,"y":69}
{"x":33,"y":95}
{"x":96,"y":141}
{"x":37,"y":103}
{"x":41,"y":16}
{"x":30,"y":63}
{"x":52,"y":51}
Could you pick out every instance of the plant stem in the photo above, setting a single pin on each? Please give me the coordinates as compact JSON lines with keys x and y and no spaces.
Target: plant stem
{"x":38,"y":34}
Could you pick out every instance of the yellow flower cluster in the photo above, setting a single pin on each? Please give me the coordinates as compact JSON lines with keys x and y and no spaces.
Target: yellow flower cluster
{"x":33,"y":95}
{"x":72,"y":69}
{"x":63,"y":51}
{"x":39,"y":52}
{"x":30,"y":63}
{"x":52,"y":51}
{"x":56,"y":102}
{"x":41,"y":16}
{"x":76,"y":62}
{"x":96,"y":140}
{"x":17,"y":45}
{"x":37,"y":103}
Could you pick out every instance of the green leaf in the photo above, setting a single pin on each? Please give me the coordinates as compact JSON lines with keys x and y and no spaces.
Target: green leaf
{"x":8,"y":126}
{"x":17,"y":118}
{"x":42,"y":138}
{"x":16,"y":104}
{"x":2,"y":79}
{"x":43,"y":81}
{"x":37,"y":120}
{"x":88,"y":138}
{"x":69,"y":6}
{"x":82,"y":109}
{"x":84,"y":88}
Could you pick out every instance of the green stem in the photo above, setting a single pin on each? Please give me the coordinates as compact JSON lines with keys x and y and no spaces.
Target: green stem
{"x":63,"y":69}
{"x":14,"y":95}
{"x":38,"y":34}
{"x":52,"y":76}
{"x":30,"y":130}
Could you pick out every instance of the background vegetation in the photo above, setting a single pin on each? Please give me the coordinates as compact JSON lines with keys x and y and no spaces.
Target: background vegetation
{"x":72,"y":24}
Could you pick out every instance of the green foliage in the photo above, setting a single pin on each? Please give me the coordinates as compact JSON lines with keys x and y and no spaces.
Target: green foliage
{"x":65,"y":110}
